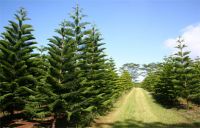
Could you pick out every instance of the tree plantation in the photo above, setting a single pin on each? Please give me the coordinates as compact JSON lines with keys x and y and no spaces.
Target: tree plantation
{"x":72,"y":81}
{"x":176,"y":77}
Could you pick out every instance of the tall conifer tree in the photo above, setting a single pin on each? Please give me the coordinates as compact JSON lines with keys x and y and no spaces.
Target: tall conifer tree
{"x":164,"y":90}
{"x":78,"y":33}
{"x":183,"y":72}
{"x":59,"y":93}
{"x":125,"y":81}
{"x":111,"y":86}
{"x":20,"y":72}
{"x":195,"y":94}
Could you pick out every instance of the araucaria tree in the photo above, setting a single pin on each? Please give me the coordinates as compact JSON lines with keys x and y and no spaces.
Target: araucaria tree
{"x":183,"y":79}
{"x":125,"y":81}
{"x":78,"y":33}
{"x":164,"y":89}
{"x":96,"y":86}
{"x":195,"y":94}
{"x":176,"y":77}
{"x":78,"y":83}
{"x":74,"y":80}
{"x":20,"y":74}
{"x":61,"y":80}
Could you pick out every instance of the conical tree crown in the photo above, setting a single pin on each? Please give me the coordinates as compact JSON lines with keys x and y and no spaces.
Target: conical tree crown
{"x":17,"y":62}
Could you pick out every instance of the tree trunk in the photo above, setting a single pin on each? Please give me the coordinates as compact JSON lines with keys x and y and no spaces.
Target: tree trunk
{"x":188,"y":105}
{"x":54,"y":121}
{"x":12,"y":113}
{"x":11,"y":116}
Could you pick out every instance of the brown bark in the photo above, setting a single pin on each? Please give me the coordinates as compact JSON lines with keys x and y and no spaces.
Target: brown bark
{"x":54,"y":121}
{"x":188,"y":105}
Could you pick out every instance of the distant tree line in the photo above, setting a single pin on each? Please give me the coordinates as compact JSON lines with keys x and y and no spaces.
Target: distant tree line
{"x":178,"y":76}
{"x":71,"y":79}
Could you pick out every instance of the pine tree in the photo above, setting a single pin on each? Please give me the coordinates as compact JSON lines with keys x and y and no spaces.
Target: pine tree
{"x":125,"y":81}
{"x":195,"y":93}
{"x":99,"y":73}
{"x":93,"y":71}
{"x":20,"y":74}
{"x":35,"y":107}
{"x":112,"y":80}
{"x":59,"y":93}
{"x":183,"y":72}
{"x":79,"y":33}
{"x":164,"y":90}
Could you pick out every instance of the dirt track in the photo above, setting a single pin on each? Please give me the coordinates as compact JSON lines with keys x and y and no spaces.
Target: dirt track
{"x":138,"y":109}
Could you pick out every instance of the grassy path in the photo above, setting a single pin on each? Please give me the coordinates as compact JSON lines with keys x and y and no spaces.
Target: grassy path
{"x":138,"y":110}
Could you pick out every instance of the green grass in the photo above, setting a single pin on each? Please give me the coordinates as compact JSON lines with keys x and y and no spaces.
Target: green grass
{"x":166,"y":116}
{"x":139,"y":110}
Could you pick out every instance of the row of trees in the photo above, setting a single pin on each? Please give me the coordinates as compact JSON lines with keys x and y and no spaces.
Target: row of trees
{"x":178,"y":76}
{"x":73,"y":81}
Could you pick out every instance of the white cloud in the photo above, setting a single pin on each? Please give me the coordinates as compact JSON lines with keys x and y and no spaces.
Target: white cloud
{"x":170,"y":43}
{"x":191,"y":35}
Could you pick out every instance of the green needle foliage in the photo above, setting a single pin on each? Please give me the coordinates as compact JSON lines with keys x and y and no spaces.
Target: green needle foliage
{"x":111,"y":82}
{"x":20,"y":72}
{"x":34,"y":107}
{"x":80,"y":81}
{"x":61,"y":81}
{"x":93,"y":72}
{"x":125,"y":81}
{"x":164,"y":90}
{"x":183,"y":72}
{"x":78,"y":32}
{"x":195,"y":94}
{"x":73,"y":81}
{"x":177,"y":77}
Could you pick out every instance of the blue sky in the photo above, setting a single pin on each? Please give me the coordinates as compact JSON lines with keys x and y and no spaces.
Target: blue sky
{"x":133,"y":30}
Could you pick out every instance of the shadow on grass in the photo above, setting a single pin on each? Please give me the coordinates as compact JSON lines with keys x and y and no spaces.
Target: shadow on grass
{"x":138,"y":124}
